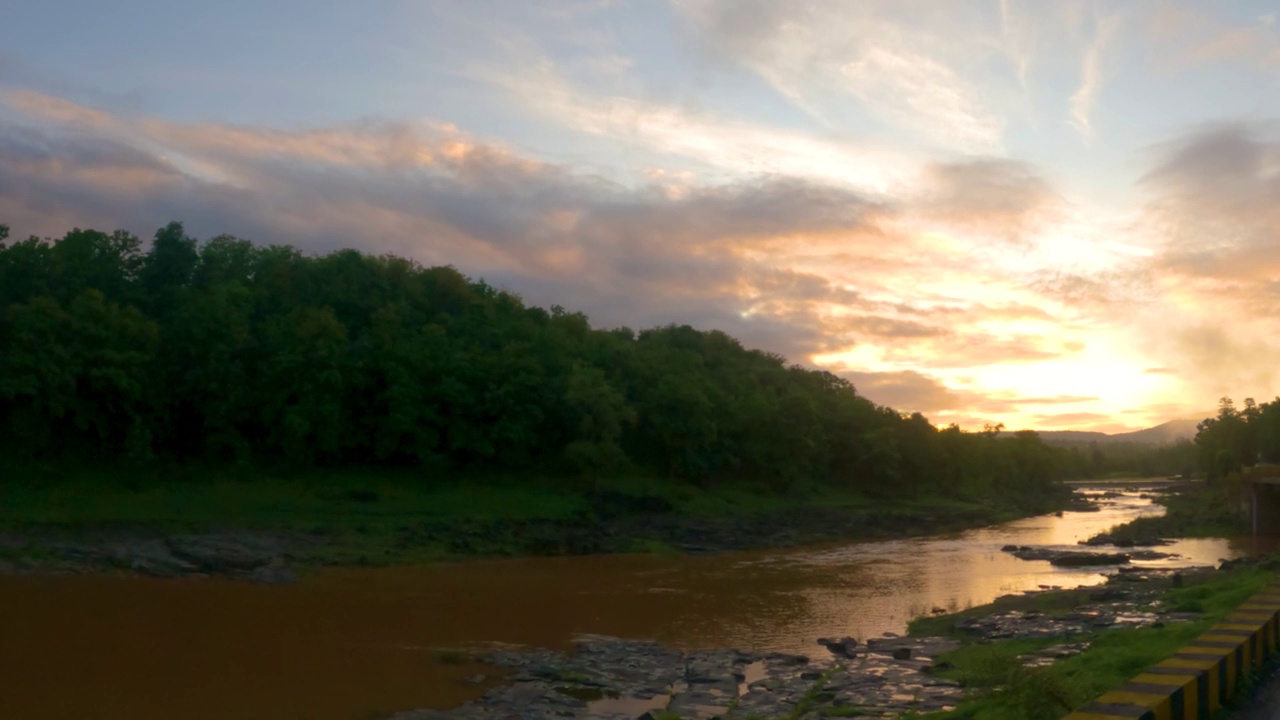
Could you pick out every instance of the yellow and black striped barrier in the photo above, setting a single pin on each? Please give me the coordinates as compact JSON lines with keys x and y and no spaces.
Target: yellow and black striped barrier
{"x":1200,"y":678}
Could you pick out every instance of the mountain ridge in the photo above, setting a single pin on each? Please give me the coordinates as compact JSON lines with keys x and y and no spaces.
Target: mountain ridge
{"x":1167,"y":432}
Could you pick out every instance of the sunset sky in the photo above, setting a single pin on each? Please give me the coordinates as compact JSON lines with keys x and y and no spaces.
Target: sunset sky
{"x":1053,"y":215}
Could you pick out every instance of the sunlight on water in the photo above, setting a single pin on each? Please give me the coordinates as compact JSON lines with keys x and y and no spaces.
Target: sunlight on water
{"x":348,"y":644}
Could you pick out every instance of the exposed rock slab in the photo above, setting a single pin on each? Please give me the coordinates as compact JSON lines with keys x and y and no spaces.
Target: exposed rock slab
{"x":613,"y":678}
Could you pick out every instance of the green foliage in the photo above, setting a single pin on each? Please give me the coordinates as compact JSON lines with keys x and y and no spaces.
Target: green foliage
{"x":1128,"y":459}
{"x":1235,"y":439}
{"x":1007,"y":689}
{"x":228,"y":352}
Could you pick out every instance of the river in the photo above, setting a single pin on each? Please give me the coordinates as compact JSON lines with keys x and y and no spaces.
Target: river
{"x":354,"y":644}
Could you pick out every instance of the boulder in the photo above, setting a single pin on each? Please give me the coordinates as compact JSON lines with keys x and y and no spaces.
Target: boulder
{"x":841,"y":647}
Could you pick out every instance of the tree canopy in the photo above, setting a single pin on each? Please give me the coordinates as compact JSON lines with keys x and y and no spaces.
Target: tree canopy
{"x":230,"y":351}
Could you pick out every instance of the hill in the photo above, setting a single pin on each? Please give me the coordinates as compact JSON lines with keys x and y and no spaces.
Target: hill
{"x":1182,"y":429}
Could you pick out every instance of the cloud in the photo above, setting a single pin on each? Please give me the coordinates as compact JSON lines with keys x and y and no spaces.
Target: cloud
{"x":1019,"y":38}
{"x":1073,"y":420}
{"x":913,"y":391}
{"x":1159,"y":371}
{"x":905,"y":391}
{"x":1057,"y":400}
{"x":921,"y":92}
{"x":1186,"y":35}
{"x":882,"y":56}
{"x":991,"y":196}
{"x":1098,"y":292}
{"x":1215,"y":195}
{"x":1092,"y":74}
{"x":883,"y":327}
{"x":1214,"y":204}
{"x":56,"y":109}
{"x":717,"y":146}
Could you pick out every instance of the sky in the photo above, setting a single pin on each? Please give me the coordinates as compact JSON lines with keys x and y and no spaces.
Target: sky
{"x":1054,"y":215}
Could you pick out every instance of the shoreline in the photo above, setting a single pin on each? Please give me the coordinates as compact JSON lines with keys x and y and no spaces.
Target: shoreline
{"x":273,"y":556}
{"x":1033,"y":656}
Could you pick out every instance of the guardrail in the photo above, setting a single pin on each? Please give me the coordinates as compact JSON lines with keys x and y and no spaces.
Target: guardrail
{"x":1198,"y":680}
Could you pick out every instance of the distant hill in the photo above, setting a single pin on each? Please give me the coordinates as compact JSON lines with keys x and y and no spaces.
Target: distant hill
{"x":1158,"y":435}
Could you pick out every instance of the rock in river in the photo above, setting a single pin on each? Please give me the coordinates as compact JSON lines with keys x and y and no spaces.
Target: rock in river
{"x":842,"y":647}
{"x":1067,"y":558}
{"x":1083,"y":559}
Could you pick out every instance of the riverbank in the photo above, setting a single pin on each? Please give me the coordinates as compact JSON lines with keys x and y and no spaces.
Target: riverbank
{"x":257,"y":525}
{"x":1041,"y":655}
{"x":1032,"y":657}
{"x":1196,"y":510}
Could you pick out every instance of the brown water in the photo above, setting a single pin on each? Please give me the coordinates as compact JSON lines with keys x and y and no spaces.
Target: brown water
{"x":354,"y":644}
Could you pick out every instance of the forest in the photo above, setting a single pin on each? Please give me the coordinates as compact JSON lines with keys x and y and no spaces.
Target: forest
{"x":1235,"y":438}
{"x":229,"y":352}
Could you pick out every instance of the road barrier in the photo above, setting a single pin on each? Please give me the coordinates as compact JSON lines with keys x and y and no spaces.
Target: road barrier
{"x":1201,"y":677}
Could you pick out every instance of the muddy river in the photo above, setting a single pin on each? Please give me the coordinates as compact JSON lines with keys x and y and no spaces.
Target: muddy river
{"x":356,"y":644}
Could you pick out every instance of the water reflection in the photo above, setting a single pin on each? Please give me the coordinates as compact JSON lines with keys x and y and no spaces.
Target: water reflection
{"x":352,"y":643}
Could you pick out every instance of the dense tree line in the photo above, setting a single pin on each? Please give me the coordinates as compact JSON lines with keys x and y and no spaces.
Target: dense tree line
{"x":1236,"y":438}
{"x":1140,"y":459}
{"x":228,"y":351}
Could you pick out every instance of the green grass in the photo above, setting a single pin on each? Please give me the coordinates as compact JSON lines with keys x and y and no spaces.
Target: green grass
{"x":381,"y":517}
{"x":999,"y":688}
{"x":255,"y":499}
{"x":350,"y":499}
{"x":1054,"y":603}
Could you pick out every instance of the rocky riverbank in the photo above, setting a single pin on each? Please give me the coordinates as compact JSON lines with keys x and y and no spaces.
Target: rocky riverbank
{"x":616,"y":679}
{"x":622,"y":532}
{"x":252,"y":556}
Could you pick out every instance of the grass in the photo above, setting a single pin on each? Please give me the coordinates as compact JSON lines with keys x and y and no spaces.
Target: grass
{"x":1001,"y":688}
{"x":355,"y":498}
{"x":255,"y":499}
{"x":379,"y":517}
{"x":1053,"y":603}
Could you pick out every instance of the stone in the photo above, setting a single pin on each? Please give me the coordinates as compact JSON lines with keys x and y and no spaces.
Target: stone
{"x":224,"y":553}
{"x":842,"y":647}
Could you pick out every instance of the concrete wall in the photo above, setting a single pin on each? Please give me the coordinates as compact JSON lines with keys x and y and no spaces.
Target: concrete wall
{"x":1199,"y":679}
{"x":1262,"y":508}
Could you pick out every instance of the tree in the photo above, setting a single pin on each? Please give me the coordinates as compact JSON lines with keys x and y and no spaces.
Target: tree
{"x":168,"y":267}
{"x":596,"y":414}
